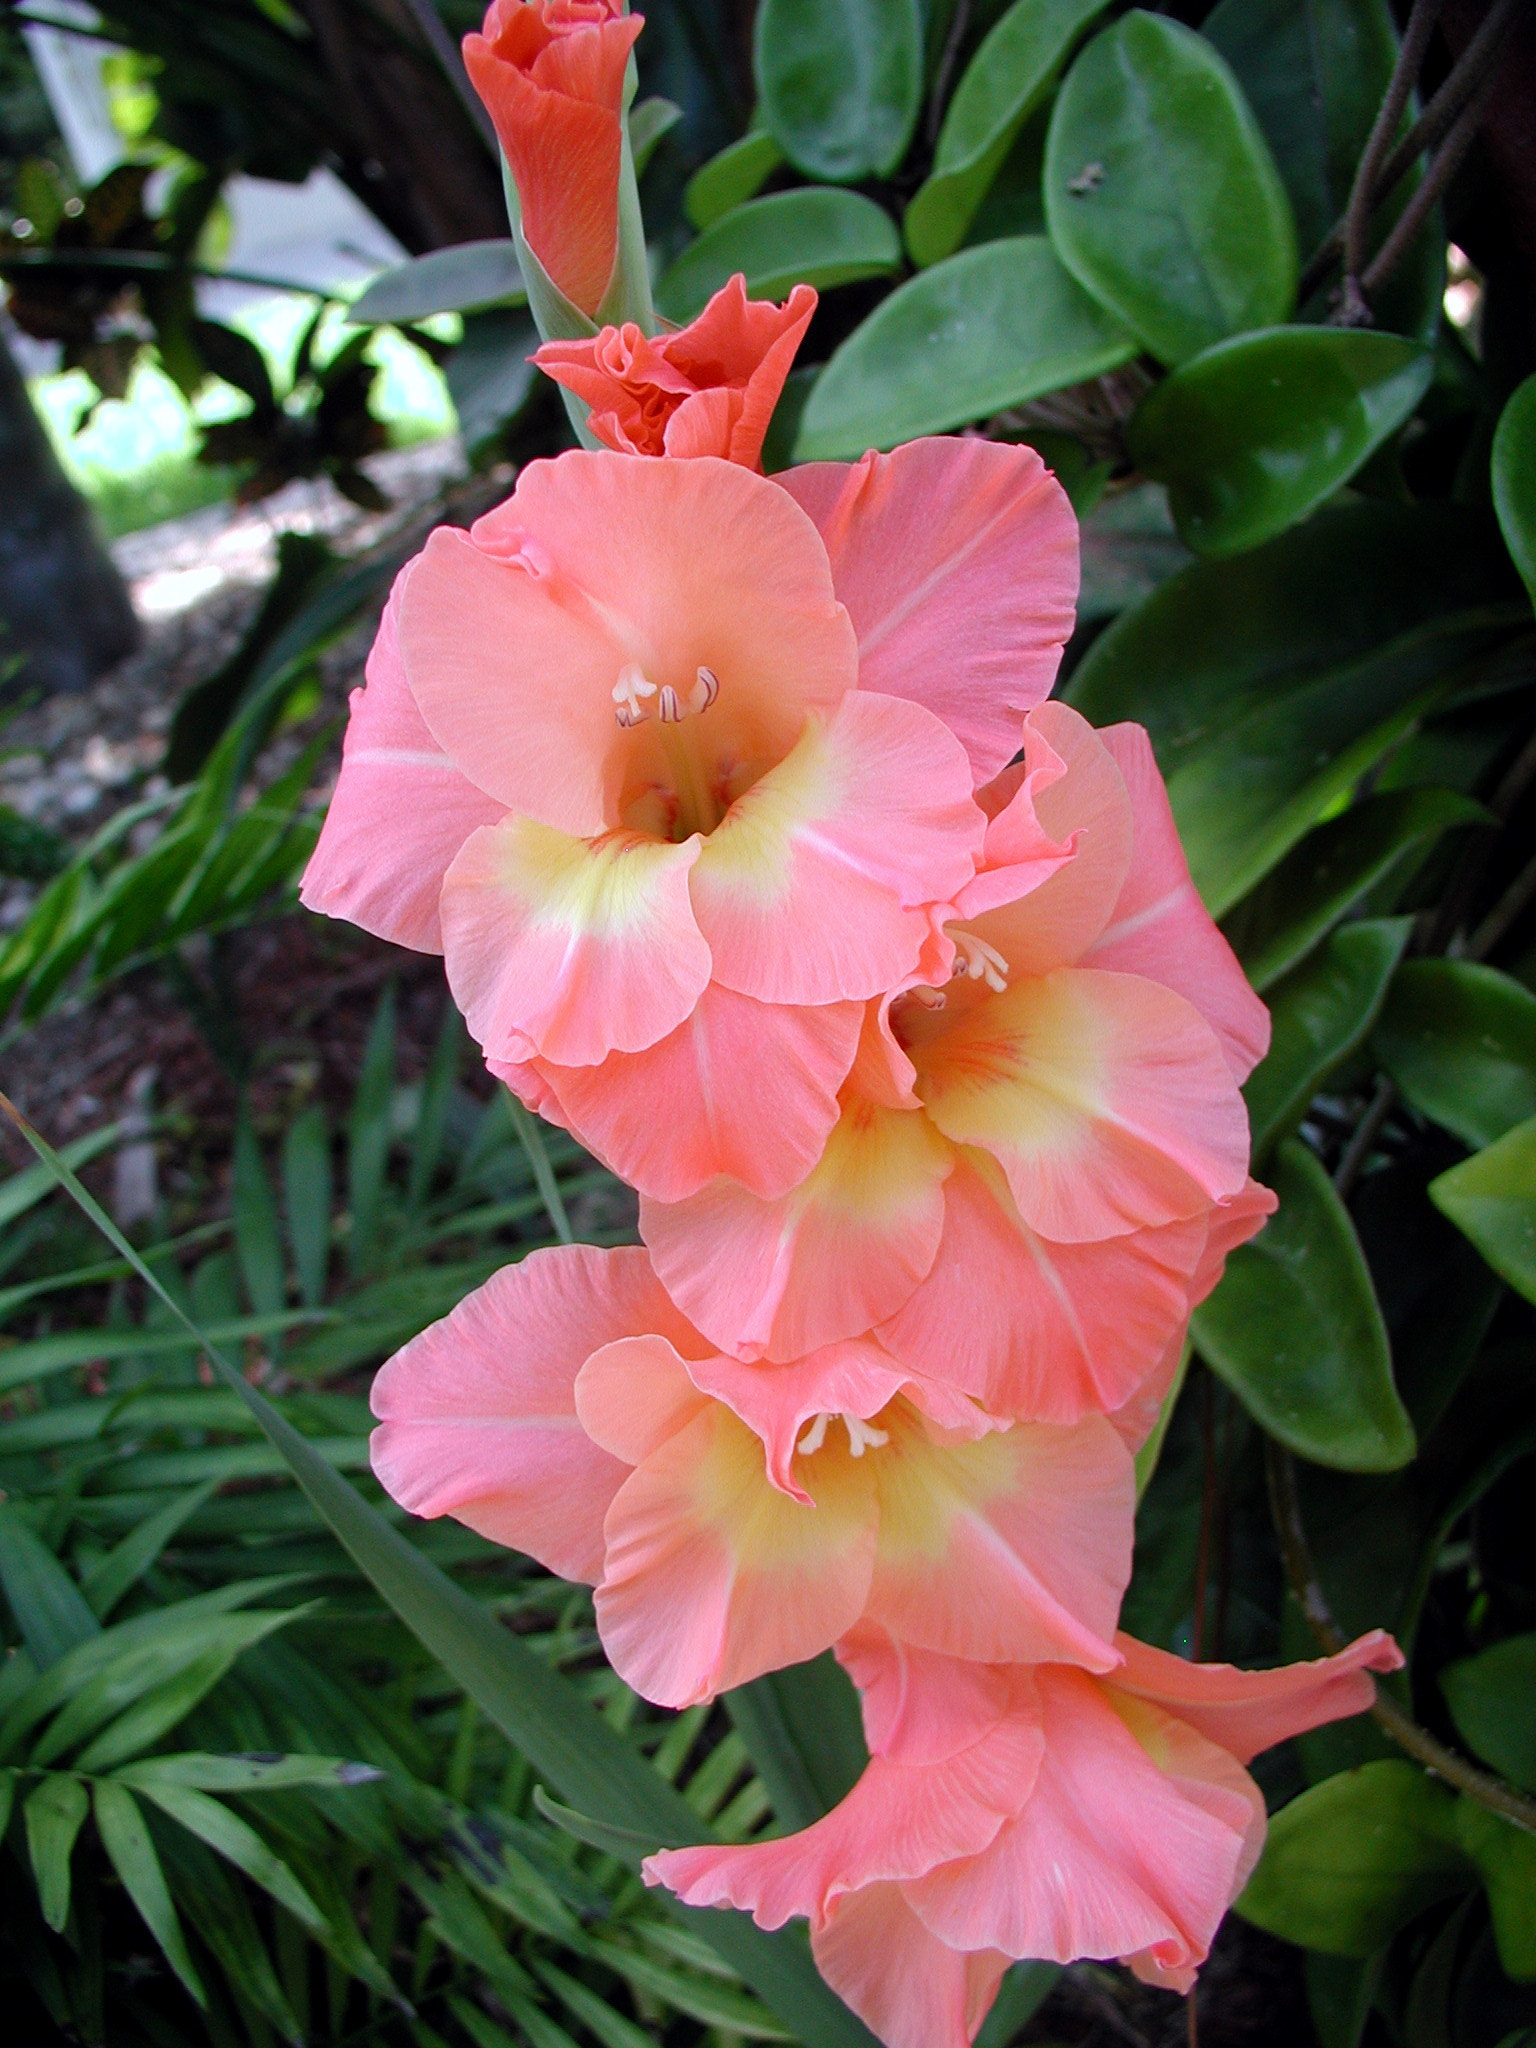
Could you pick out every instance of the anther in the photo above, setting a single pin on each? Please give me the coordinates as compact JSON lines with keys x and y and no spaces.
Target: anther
{"x":977,"y":961}
{"x":669,"y":706}
{"x":630,"y":692}
{"x":704,"y":691}
{"x":861,"y":1436}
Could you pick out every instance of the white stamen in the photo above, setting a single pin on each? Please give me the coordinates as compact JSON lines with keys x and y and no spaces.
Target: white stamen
{"x":977,"y":961}
{"x":669,"y":706}
{"x":861,"y":1436}
{"x":925,"y":998}
{"x":630,"y":692}
{"x":704,"y":691}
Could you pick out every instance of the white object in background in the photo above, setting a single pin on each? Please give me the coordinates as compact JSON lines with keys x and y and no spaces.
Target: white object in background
{"x":69,"y":67}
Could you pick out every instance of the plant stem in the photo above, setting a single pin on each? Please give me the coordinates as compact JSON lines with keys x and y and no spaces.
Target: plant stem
{"x":1503,"y":914}
{"x":954,"y":36}
{"x":1367,"y":1131}
{"x":1306,"y":1587}
{"x":1357,"y":214}
{"x":1443,"y":167}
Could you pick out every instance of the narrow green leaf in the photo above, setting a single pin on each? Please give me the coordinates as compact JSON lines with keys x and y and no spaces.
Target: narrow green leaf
{"x":22,"y":1191}
{"x":1355,"y":1858}
{"x":1024,"y":1990}
{"x":258,"y":1243}
{"x":1253,"y":433}
{"x":369,"y":1132}
{"x":1007,"y":78}
{"x":611,"y":2028}
{"x":1491,"y":1198}
{"x":238,"y":1843}
{"x":712,"y":2003}
{"x":307,"y":1200}
{"x":803,"y":1733}
{"x":1160,"y":192}
{"x":1460,"y":1042}
{"x":156,"y":1714}
{"x":1514,"y":480}
{"x":125,"y":1564}
{"x":840,"y":82}
{"x":649,"y":121}
{"x":738,"y":173}
{"x":490,"y":375}
{"x":531,"y":1139}
{"x":1492,"y":1698}
{"x":627,"y":1843}
{"x":813,"y":235}
{"x":432,"y":1110}
{"x":126,"y":1841}
{"x":1295,"y":1330}
{"x":990,"y":328}
{"x":49,"y":1608}
{"x":1322,"y":1013}
{"x":246,"y":1774}
{"x":458,"y":280}
{"x":53,"y":1815}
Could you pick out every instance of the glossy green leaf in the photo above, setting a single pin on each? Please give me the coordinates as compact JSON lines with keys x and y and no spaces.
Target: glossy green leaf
{"x":126,"y":1841}
{"x":738,"y":173}
{"x":1505,"y":1855}
{"x":1322,"y":1013}
{"x":1319,"y":880}
{"x":1514,"y":480}
{"x":307,"y":1197}
{"x":46,"y":1604}
{"x":1296,"y":1332}
{"x":1160,"y":192}
{"x":1007,"y":78}
{"x":1355,"y":1858}
{"x":1253,"y":434}
{"x":458,"y":280}
{"x":1314,"y":72}
{"x":814,"y":235}
{"x":1460,"y":1042}
{"x":840,"y":82}
{"x":989,"y":328}
{"x":539,"y":1711}
{"x":53,"y":1815}
{"x":1491,"y":1197}
{"x":490,"y":374}
{"x":1492,"y":1698}
{"x":804,"y":1735}
{"x":1271,"y":683}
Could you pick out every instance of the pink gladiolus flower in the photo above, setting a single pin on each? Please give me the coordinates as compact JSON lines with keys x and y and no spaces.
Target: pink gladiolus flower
{"x":709,"y":389}
{"x":1027,"y":1811}
{"x":551,"y":73}
{"x":1039,"y":1165}
{"x":739,"y":1518}
{"x":678,"y":782}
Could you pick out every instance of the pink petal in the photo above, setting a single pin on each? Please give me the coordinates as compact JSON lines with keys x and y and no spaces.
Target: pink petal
{"x":569,"y":949}
{"x":903,"y":1982}
{"x":1110,"y":1855}
{"x":957,"y":560}
{"x":1034,"y":1525}
{"x":1247,"y":1711}
{"x":813,"y":887}
{"x":1045,"y":1331}
{"x":920,"y":1707}
{"x":712,"y":1577}
{"x":1159,"y":926}
{"x":828,"y":1260}
{"x":1019,"y":854}
{"x":400,"y":813}
{"x":515,"y":635}
{"x":1106,"y":1100}
{"x":897,"y":1822}
{"x":1231,"y":1223}
{"x":633,"y":1394}
{"x":477,"y":1418}
{"x":741,"y":1089}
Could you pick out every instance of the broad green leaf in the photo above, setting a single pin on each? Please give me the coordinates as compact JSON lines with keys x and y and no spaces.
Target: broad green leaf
{"x":1295,"y":1330}
{"x":803,"y":1733}
{"x":1492,"y":1698}
{"x":1491,"y":1198}
{"x":649,"y":121}
{"x":1271,"y":683}
{"x":1460,"y":1041}
{"x":369,"y":1132}
{"x":538,"y":1711}
{"x":840,"y":82}
{"x":1514,"y":480}
{"x":46,"y":1604}
{"x":1314,"y":72}
{"x":738,"y":173}
{"x":123,"y":1566}
{"x":490,"y":374}
{"x":1355,"y":1858}
{"x":989,"y":328}
{"x":1322,"y":1013}
{"x":307,"y":1197}
{"x":459,"y":280}
{"x":1505,"y":1855}
{"x":816,"y":235}
{"x":1008,"y":77}
{"x":258,"y":1242}
{"x":53,"y":1814}
{"x":1254,"y":433}
{"x":1319,"y":880}
{"x":239,"y":1843}
{"x":126,"y":1841}
{"x":1160,"y":192}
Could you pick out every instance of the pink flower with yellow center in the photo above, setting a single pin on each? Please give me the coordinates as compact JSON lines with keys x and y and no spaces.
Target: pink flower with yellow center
{"x":738,"y":1518}
{"x":678,"y":778}
{"x":1027,"y":1811}
{"x":1040,"y":1161}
